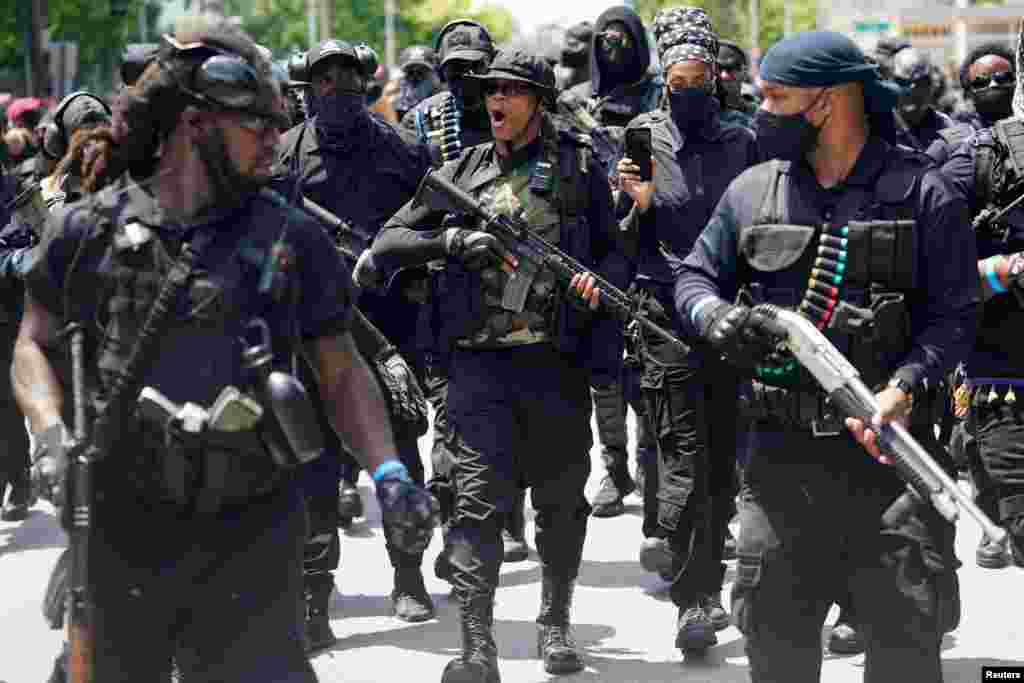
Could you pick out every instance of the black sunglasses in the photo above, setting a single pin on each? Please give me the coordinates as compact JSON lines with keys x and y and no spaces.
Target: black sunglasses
{"x":997,"y":79}
{"x":911,"y":82}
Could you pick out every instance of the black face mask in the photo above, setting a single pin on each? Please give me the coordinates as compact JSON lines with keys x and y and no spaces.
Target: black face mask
{"x":913,"y":105}
{"x":994,"y":103}
{"x":783,"y":136}
{"x":689,"y":108}
{"x":338,"y":115}
{"x":575,"y":59}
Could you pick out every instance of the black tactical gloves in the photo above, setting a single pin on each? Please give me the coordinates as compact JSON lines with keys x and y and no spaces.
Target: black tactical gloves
{"x":739,"y":333}
{"x":409,"y":511}
{"x":50,"y":463}
{"x":477,"y":249}
{"x":405,"y":397}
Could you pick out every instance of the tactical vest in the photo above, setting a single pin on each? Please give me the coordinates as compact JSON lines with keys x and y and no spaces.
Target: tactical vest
{"x":471,"y":312}
{"x":999,"y":164}
{"x":134,"y":262}
{"x":956,"y":135}
{"x":851,"y":280}
{"x":998,"y":176}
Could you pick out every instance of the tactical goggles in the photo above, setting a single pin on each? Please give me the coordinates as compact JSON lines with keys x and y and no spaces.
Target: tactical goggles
{"x":614,"y":39}
{"x":1000,"y":78}
{"x":226,"y":81}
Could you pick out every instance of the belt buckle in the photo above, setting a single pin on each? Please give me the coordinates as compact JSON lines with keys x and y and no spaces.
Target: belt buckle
{"x":829,"y":424}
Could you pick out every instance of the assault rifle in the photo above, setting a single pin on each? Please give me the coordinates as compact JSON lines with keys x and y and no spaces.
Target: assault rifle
{"x":533,"y":253}
{"x":349,"y":240}
{"x":77,"y":520}
{"x":925,"y":478}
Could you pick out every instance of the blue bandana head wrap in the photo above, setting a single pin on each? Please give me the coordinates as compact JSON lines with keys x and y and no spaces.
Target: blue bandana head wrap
{"x":821,"y":59}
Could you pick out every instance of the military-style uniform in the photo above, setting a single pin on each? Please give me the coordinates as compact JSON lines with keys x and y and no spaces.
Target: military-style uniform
{"x":987,"y":169}
{"x":518,"y":393}
{"x":601,"y":107}
{"x":216,"y":578}
{"x":812,"y":502}
{"x":690,"y":397}
{"x":363,"y":180}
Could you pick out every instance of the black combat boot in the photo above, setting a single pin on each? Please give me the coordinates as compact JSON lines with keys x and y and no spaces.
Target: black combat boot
{"x":610,"y":413}
{"x":845,"y":638}
{"x":410,"y":600}
{"x":513,"y":536}
{"x":20,"y":499}
{"x":694,"y":631}
{"x":318,"y":622}
{"x":717,"y":614}
{"x":478,"y":662}
{"x":554,"y":641}
{"x":350,"y":504}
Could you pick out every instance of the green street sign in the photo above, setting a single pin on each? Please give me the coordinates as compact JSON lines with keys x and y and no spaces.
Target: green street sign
{"x":872,"y":26}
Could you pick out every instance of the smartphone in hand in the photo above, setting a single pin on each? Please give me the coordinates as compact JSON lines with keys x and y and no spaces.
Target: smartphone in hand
{"x":638,"y":149}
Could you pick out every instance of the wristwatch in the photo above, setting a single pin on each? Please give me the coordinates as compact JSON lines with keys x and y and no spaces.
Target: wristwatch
{"x":904,"y":386}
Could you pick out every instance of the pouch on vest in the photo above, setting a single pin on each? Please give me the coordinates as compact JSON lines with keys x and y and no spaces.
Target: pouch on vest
{"x":1010,"y":132}
{"x":771,"y":248}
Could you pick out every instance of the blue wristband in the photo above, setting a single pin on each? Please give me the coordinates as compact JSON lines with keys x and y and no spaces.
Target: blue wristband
{"x":387,"y":470}
{"x":993,"y":280}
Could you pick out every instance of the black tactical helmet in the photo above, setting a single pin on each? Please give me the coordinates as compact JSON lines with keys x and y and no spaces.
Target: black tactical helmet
{"x":464,"y":39}
{"x":516,"y":65}
{"x":417,"y":55}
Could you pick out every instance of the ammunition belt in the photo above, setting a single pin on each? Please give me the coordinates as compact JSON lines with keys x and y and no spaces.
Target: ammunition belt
{"x":446,"y":128}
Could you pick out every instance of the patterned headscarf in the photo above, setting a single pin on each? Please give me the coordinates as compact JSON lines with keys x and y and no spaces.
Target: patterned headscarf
{"x":685,"y":33}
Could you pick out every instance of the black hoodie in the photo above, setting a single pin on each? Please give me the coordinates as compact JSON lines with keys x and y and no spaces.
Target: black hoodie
{"x":634,"y":92}
{"x":640,"y":49}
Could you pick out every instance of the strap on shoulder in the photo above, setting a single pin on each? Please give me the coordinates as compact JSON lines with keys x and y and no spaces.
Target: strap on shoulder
{"x":774,"y":207}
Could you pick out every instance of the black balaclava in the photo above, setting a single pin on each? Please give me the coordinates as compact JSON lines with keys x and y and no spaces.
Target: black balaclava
{"x":604,"y":77}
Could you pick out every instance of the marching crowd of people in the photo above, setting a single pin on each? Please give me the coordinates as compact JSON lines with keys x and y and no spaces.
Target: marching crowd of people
{"x":237,"y":282}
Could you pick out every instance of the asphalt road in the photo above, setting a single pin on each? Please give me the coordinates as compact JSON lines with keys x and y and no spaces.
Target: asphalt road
{"x":622,"y":615}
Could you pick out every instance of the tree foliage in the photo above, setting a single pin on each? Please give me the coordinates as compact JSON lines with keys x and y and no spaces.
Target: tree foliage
{"x":731,"y":18}
{"x":100,"y":27}
{"x":281,"y":25}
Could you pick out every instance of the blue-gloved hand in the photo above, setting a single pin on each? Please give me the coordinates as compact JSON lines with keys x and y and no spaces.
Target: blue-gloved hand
{"x":408,"y":510}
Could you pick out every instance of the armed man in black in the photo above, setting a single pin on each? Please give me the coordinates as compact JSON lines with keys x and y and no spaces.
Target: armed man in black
{"x":620,"y":88}
{"x":918,"y":123}
{"x":190,"y":287}
{"x":450,"y":122}
{"x":690,"y":396}
{"x":419,"y":79}
{"x":361,"y":169}
{"x":988,"y":77}
{"x":518,"y":394}
{"x":453,"y":120}
{"x":989,"y":169}
{"x":871,"y":244}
